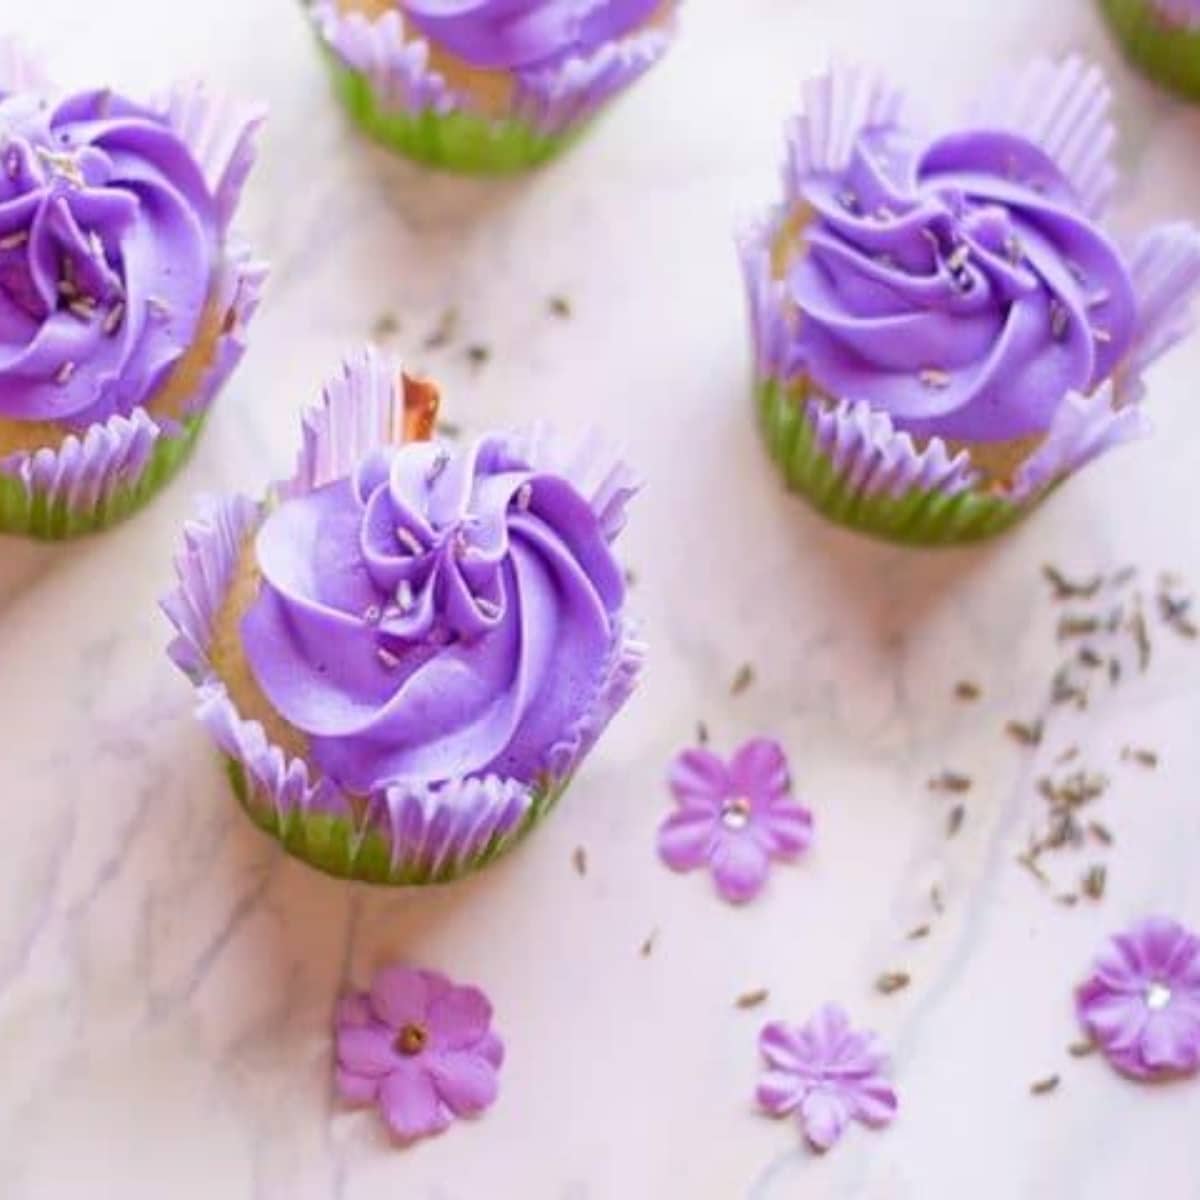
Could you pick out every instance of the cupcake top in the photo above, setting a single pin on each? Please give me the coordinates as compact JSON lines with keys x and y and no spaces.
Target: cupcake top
{"x":440,"y":612}
{"x":108,"y":233}
{"x":525,"y":34}
{"x":959,"y":284}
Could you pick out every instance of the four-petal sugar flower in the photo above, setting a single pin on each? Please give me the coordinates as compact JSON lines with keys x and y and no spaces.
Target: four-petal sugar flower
{"x":735,"y":817}
{"x":420,"y":1047}
{"x":827,"y":1074}
{"x":1141,"y":1004}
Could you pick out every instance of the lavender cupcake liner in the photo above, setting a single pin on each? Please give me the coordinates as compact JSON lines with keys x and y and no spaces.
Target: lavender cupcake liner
{"x":383,"y":78}
{"x":852,"y":467}
{"x":95,"y":479}
{"x":105,"y":473}
{"x":847,"y":458}
{"x":408,"y":833}
{"x":1161,"y":38}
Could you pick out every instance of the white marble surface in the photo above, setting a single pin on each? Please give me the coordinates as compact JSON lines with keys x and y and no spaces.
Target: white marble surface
{"x":166,"y":975}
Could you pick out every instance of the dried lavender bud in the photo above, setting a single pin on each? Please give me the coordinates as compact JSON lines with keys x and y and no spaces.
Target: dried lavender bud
{"x":1028,"y":733}
{"x":964,"y":689}
{"x":1143,"y":758}
{"x":950,"y":781}
{"x":742,"y":680}
{"x":1068,"y":589}
{"x":954,"y":821}
{"x":752,"y":999}
{"x":443,"y":332}
{"x":1043,"y":1087}
{"x":1095,"y":880}
{"x":891,"y":982}
{"x":579,"y":860}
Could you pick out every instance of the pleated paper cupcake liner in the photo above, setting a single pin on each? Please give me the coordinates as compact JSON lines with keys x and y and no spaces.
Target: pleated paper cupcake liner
{"x":95,"y":479}
{"x":383,"y":78}
{"x":409,"y":832}
{"x":1168,"y":52}
{"x":862,"y":475}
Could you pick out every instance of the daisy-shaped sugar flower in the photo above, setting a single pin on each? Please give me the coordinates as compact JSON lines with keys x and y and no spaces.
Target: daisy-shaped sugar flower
{"x":420,"y":1047}
{"x":733,"y":817}
{"x":1141,"y":1003}
{"x":827,"y":1074}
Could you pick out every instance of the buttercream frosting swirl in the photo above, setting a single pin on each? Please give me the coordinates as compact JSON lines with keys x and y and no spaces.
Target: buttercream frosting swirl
{"x":108,"y":237}
{"x":957,"y":285}
{"x":525,"y":34}
{"x":441,"y":613}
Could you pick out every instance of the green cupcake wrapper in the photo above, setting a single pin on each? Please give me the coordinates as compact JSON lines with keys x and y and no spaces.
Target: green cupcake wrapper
{"x":331,"y":844}
{"x":916,"y":517}
{"x":457,"y":141}
{"x":34,"y":513}
{"x":1169,"y":56}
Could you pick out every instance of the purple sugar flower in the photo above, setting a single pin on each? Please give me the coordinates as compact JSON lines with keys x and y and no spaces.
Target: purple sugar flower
{"x":734,"y":817}
{"x":419,"y":1047}
{"x":1141,"y":1004}
{"x":827,"y":1074}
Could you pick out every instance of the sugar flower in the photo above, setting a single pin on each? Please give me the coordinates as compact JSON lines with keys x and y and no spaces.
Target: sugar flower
{"x":420,"y":1047}
{"x":734,"y":817}
{"x":1141,"y":1003}
{"x":827,"y":1074}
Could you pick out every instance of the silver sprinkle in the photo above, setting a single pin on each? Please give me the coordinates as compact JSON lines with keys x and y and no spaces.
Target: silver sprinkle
{"x":84,"y":308}
{"x":14,"y":240}
{"x":113,"y":320}
{"x":439,"y":464}
{"x":525,"y":496}
{"x":884,"y":213}
{"x":404,"y":596}
{"x":387,"y":658}
{"x":158,"y":307}
{"x":63,"y":375}
{"x":959,"y":258}
{"x":1101,"y":335}
{"x":1103,"y":296}
{"x":96,"y":245}
{"x":1013,"y":249}
{"x":934,"y":378}
{"x":372,"y":614}
{"x":409,"y":541}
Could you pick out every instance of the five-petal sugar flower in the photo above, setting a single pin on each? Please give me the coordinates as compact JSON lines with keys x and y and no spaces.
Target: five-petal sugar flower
{"x":827,"y":1074}
{"x":734,"y":817}
{"x":1141,"y":1003}
{"x":420,"y":1047}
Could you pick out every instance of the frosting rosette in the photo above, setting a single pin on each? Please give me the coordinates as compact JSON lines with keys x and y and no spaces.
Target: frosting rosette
{"x":943,"y":328}
{"x":406,"y":651}
{"x":1162,"y":38}
{"x":486,"y":85}
{"x":122,"y":299}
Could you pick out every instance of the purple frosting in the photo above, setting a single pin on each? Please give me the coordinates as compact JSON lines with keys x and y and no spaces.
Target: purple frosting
{"x":440,"y":613}
{"x":525,"y":34}
{"x":108,"y":241}
{"x":957,"y":285}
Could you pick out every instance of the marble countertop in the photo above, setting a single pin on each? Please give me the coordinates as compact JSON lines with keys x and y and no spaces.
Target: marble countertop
{"x":167,"y":975}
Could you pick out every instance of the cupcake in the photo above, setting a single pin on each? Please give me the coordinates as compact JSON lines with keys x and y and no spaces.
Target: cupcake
{"x":123,"y":296}
{"x":1162,"y":37}
{"x":486,"y":85}
{"x":406,"y":650}
{"x":943,"y":332}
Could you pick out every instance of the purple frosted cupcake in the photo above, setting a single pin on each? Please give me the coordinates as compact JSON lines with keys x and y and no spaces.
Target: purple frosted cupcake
{"x":123,"y":295}
{"x":1162,"y":37}
{"x":486,"y":85}
{"x":406,"y":650}
{"x":943,"y":330}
